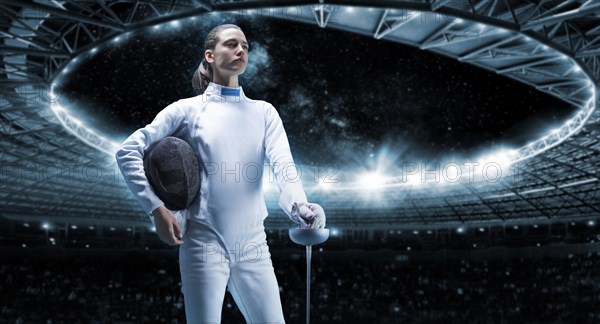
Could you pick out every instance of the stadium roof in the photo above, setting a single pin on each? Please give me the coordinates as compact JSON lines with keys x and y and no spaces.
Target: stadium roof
{"x":54,"y":167}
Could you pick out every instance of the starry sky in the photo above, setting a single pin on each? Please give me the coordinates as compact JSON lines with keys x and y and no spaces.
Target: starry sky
{"x":344,"y":98}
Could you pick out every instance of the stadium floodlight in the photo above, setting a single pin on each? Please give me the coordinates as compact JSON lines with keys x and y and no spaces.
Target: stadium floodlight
{"x":502,"y":157}
{"x":460,"y":230}
{"x":372,"y":180}
{"x":414,"y":179}
{"x":325,"y":185}
{"x":78,"y":128}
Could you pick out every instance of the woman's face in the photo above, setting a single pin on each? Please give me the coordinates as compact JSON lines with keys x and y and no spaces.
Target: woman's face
{"x":230,"y":56}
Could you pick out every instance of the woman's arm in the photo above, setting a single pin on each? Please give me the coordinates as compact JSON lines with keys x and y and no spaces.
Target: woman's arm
{"x":130,"y":155}
{"x":292,"y":198}
{"x":277,"y":151}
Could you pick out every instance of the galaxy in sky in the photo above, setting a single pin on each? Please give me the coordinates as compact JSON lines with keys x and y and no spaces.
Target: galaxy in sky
{"x":344,"y":98}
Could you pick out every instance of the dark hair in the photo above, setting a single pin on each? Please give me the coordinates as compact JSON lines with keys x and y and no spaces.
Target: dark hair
{"x":204,"y":73}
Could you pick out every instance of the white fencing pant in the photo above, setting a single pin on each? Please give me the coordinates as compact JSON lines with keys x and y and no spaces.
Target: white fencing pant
{"x":208,"y":264}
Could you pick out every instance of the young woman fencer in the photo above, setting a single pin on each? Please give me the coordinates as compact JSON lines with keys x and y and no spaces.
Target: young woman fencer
{"x":224,"y":245}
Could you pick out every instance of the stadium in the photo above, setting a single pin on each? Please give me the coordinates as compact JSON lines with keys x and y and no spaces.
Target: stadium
{"x":505,"y":229}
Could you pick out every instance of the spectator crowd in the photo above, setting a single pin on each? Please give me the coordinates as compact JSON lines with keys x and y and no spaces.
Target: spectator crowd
{"x":146,"y":288}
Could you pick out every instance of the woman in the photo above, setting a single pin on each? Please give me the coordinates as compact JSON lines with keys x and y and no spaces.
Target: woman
{"x":225,"y":241}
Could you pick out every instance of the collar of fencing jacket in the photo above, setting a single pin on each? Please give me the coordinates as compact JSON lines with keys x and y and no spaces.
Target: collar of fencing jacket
{"x":223,"y":91}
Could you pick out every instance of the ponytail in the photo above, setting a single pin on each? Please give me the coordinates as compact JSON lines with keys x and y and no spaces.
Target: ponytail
{"x":202,"y":77}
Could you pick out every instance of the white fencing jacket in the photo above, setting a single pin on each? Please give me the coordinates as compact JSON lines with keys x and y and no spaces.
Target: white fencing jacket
{"x":234,"y":137}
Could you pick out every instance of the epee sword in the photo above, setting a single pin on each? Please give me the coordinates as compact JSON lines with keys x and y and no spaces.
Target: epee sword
{"x":308,"y":237}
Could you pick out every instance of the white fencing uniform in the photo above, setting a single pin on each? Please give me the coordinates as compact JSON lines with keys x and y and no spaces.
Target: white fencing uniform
{"x":224,"y":244}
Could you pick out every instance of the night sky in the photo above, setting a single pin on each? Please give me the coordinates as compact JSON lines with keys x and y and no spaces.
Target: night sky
{"x":344,"y":98}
